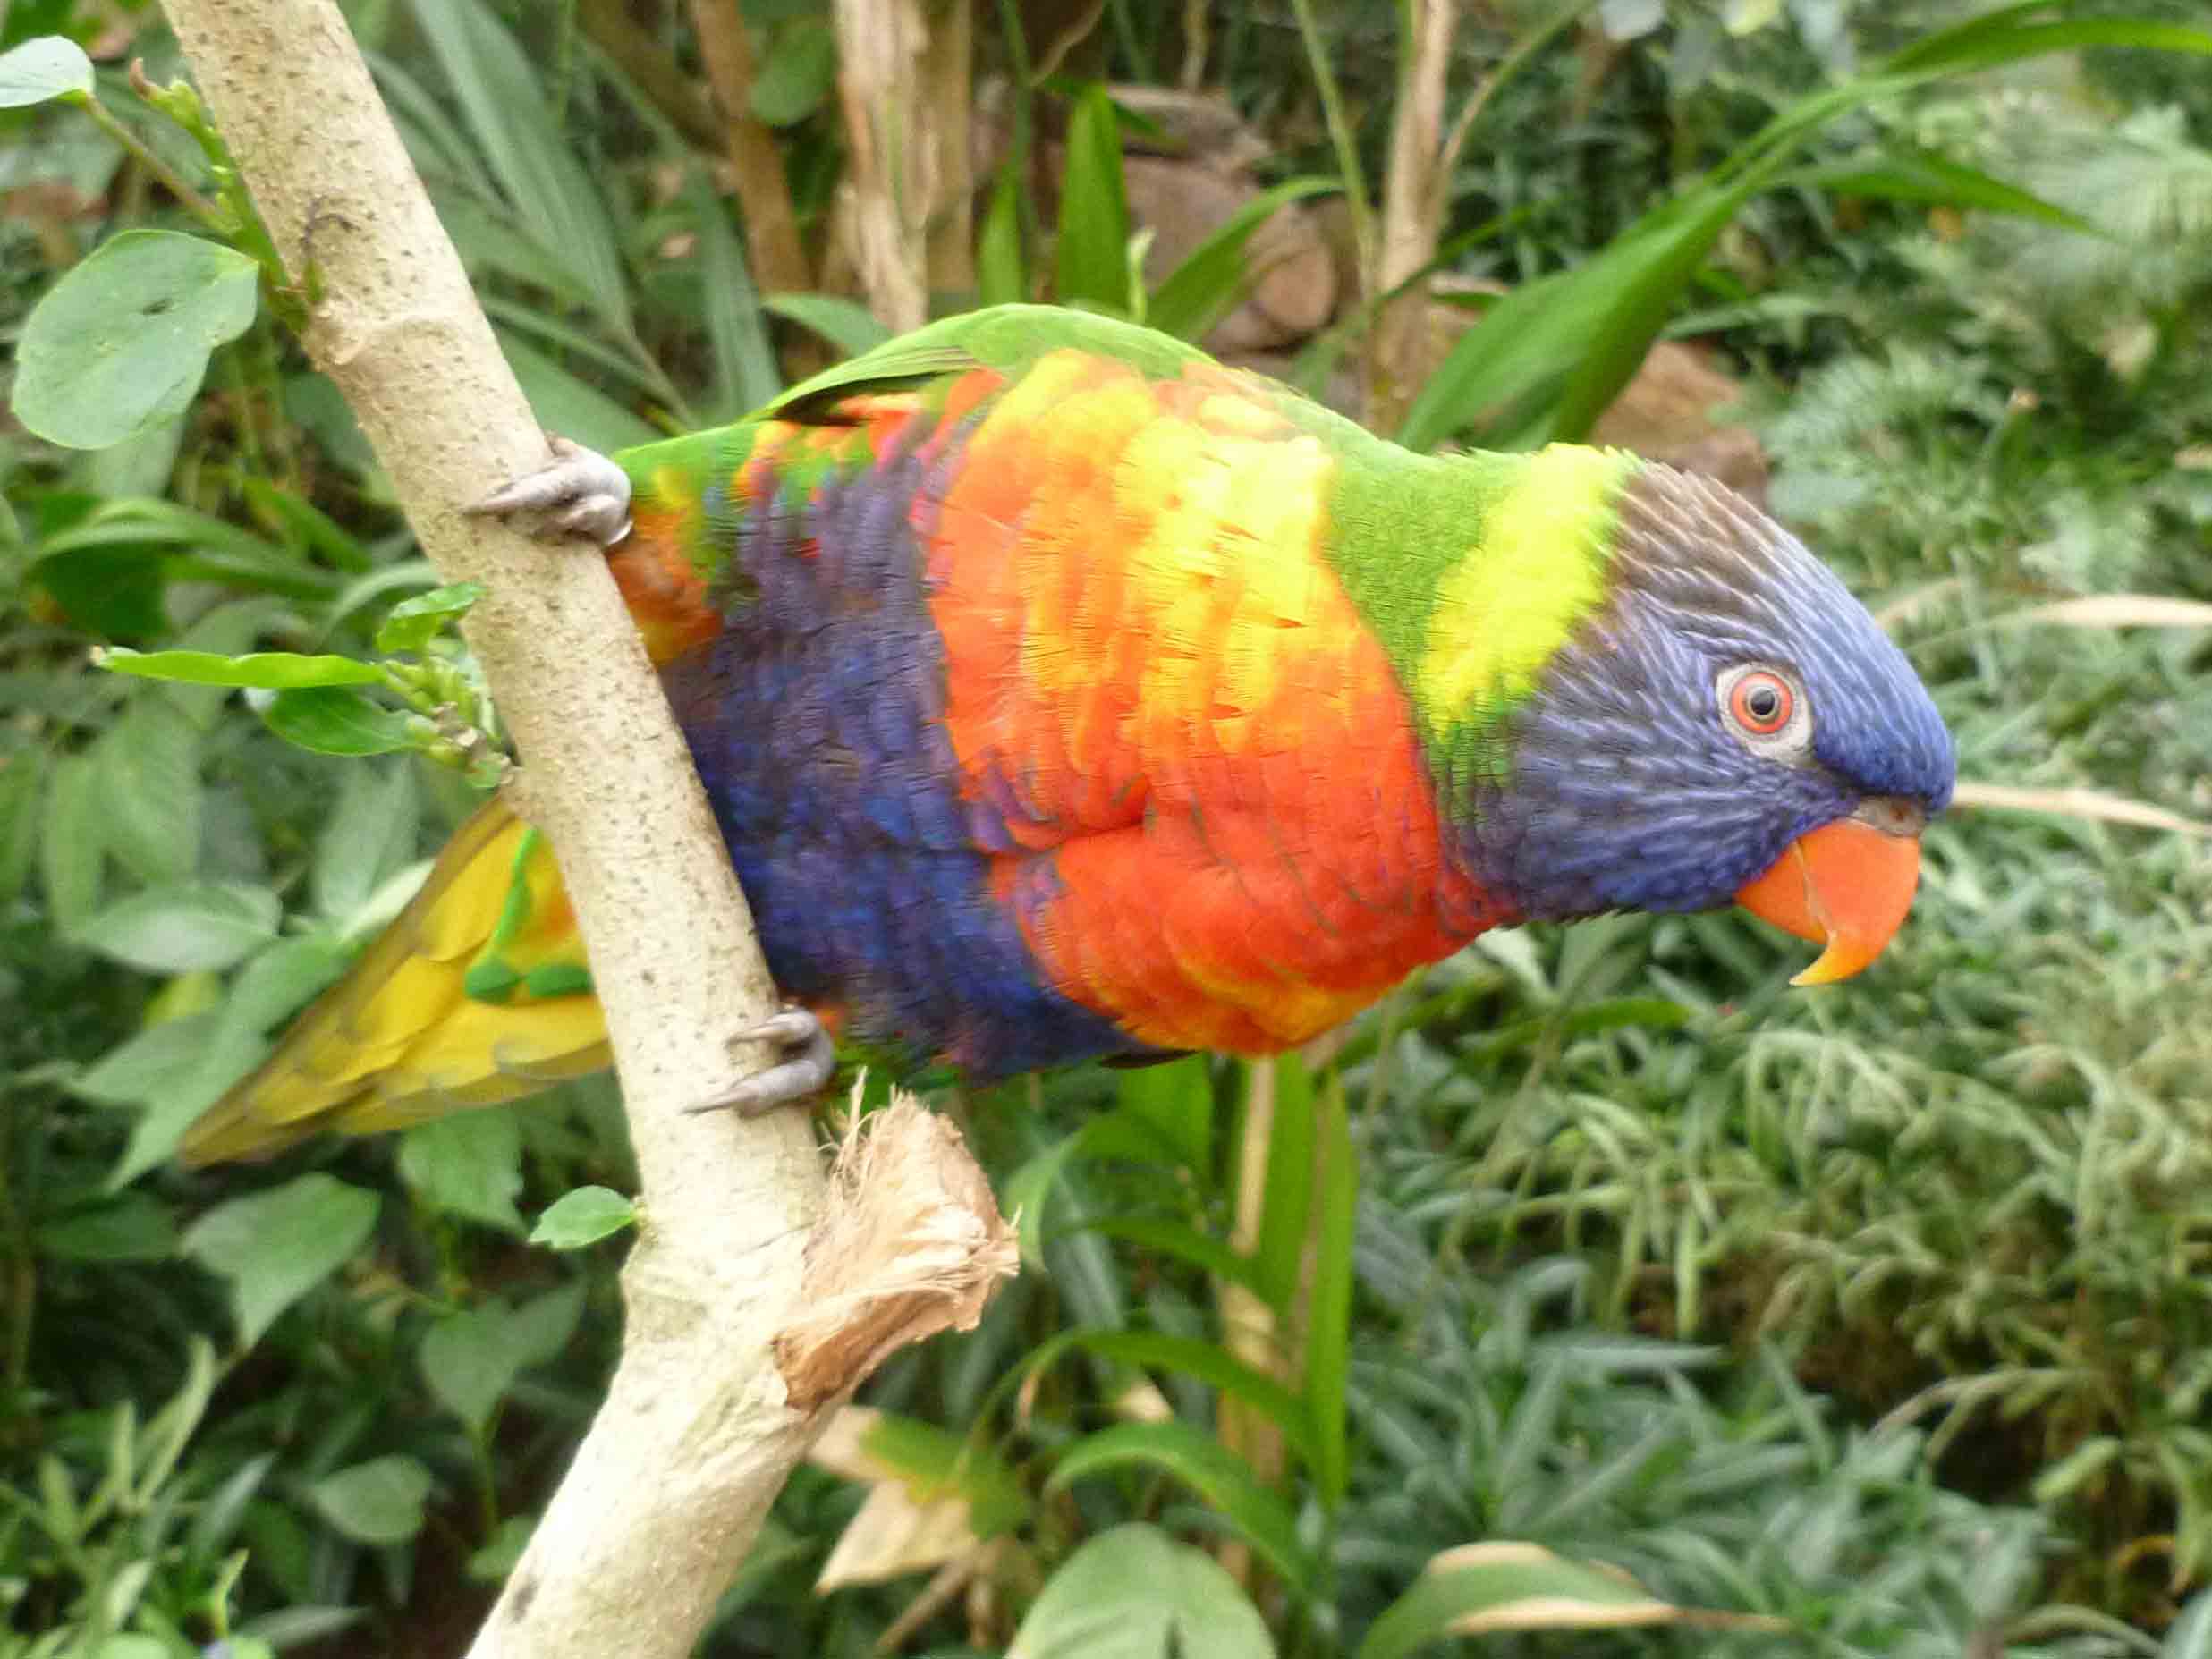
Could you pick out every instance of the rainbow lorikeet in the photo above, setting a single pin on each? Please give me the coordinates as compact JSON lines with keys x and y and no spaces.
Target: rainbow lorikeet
{"x":1061,"y":693}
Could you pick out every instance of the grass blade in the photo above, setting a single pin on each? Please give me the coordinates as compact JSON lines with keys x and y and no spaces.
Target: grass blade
{"x":508,"y":113}
{"x":1207,"y":286}
{"x":1091,"y":261}
{"x":1224,"y":1479}
{"x":744,"y":362}
{"x":1328,"y":1307}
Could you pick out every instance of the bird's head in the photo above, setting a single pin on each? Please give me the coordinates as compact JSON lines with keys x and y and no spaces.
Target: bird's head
{"x":1723,"y":723}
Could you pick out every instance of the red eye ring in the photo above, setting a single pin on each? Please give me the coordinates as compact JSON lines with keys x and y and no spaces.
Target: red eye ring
{"x":1762,"y":703}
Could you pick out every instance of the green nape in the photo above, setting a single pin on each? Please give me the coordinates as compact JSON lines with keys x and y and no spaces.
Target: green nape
{"x":1472,"y":570}
{"x":1007,"y":338}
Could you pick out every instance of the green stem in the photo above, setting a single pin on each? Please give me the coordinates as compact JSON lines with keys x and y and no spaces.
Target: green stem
{"x":210,"y":214}
{"x":1024,"y":141}
{"x":1340,"y":135}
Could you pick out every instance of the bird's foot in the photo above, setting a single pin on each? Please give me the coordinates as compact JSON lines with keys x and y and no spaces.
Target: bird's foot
{"x":812,"y":1063}
{"x":581,"y":493}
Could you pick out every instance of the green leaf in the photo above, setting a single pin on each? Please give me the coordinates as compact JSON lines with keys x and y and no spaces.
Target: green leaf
{"x":565,"y":404}
{"x":470,"y":1359}
{"x":933,"y":1462}
{"x":274,"y":671}
{"x":368,"y":835}
{"x":379,"y":1502}
{"x":1207,"y":1362}
{"x":336,"y":720}
{"x":1134,"y":1593}
{"x":848,"y":327}
{"x":584,"y":1216}
{"x":1905,"y":177}
{"x":1547,"y":359}
{"x":49,"y":67}
{"x":414,"y":622}
{"x":130,"y":1227}
{"x":1214,"y":275}
{"x":469,"y":1164}
{"x":1091,"y":260}
{"x":468,"y":1366}
{"x":1990,"y":41}
{"x":308,"y":527}
{"x":22,"y":776}
{"x":745,"y":373}
{"x":176,"y":929}
{"x":121,"y":341}
{"x":1288,"y":1195}
{"x":227,"y":630}
{"x":503,"y":1550}
{"x":170,"y":1429}
{"x":72,"y":847}
{"x":1574,"y":338}
{"x":145,"y":1065}
{"x":1176,"y":1101}
{"x":796,"y":73}
{"x":1216,"y":1474}
{"x":1001,"y":276}
{"x":277,"y":1246}
{"x":1479,"y":1588}
{"x":224,"y":1055}
{"x":1028,"y":1193}
{"x":511,"y":116}
{"x":1187,"y":1244}
{"x":149,"y":790}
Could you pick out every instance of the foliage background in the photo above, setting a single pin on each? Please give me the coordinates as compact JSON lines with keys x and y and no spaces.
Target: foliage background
{"x":1879,"y":1315}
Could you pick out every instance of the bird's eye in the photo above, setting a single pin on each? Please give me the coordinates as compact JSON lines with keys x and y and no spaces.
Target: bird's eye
{"x":1767,"y":706}
{"x":1761,"y":703}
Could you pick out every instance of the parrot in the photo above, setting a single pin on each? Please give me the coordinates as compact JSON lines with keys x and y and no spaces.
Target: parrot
{"x":1063,"y":694}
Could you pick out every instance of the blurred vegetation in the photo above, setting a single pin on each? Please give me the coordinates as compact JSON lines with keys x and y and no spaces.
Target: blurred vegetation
{"x":1874,"y":1320}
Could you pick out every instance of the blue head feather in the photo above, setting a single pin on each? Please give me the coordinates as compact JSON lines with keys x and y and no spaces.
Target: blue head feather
{"x":1629,"y":788}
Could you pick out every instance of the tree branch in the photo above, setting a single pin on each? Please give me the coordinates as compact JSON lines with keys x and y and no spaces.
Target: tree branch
{"x":779,"y":260}
{"x":696,"y":1436}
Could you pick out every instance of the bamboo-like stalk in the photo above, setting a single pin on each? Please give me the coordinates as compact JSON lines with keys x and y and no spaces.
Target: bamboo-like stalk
{"x":1249,"y":1327}
{"x":948,"y":75}
{"x":883,"y":201}
{"x":1413,"y":202}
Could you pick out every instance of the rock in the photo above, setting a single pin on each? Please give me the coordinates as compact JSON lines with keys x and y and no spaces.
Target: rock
{"x":1183,"y":202}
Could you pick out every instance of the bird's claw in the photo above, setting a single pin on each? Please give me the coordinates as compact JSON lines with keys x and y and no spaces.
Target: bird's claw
{"x":581,"y":493}
{"x":812,"y":1063}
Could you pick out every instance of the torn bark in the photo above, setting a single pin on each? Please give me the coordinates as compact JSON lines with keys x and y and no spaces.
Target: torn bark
{"x":911,"y":1243}
{"x":698,"y":1432}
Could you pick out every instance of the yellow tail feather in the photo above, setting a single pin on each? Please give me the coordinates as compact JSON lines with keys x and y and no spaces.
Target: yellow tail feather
{"x":402,"y":1038}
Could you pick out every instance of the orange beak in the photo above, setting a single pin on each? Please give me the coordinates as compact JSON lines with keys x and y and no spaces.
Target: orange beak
{"x":1846,"y":886}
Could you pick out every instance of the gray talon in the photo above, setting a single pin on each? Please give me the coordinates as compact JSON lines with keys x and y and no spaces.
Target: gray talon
{"x":789,"y":1081}
{"x":581,"y":493}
